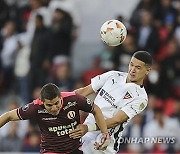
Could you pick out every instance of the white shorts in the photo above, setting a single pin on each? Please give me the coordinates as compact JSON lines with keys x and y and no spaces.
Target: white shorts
{"x":88,"y":146}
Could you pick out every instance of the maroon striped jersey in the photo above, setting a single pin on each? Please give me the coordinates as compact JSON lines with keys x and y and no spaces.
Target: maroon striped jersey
{"x":55,"y":129}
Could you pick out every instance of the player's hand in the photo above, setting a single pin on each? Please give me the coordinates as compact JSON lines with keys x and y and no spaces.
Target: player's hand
{"x":80,"y":131}
{"x":102,"y":141}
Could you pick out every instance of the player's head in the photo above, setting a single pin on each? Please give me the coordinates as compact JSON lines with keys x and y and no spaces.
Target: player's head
{"x":50,"y":96}
{"x":139,"y":66}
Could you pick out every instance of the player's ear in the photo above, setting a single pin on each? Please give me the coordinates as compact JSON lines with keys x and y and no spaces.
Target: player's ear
{"x":148,"y":70}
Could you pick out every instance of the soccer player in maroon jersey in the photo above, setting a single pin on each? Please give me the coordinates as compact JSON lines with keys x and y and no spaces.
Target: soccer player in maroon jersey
{"x":57,"y":113}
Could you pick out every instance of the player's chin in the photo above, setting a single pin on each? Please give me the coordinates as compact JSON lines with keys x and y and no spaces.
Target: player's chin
{"x":131,"y":77}
{"x":133,"y":80}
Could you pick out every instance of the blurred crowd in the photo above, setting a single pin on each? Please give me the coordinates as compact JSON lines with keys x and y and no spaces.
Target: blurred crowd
{"x":36,"y":41}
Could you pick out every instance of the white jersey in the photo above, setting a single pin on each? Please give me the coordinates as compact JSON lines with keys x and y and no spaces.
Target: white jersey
{"x":115,"y":94}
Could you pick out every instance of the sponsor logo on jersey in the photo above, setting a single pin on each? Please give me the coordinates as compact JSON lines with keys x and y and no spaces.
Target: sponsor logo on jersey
{"x":25,"y":107}
{"x":71,"y":114}
{"x":69,"y":104}
{"x":102,"y":92}
{"x":42,"y":111}
{"x":62,"y":130}
{"x":107,"y":97}
{"x":52,"y":118}
{"x":127,"y":95}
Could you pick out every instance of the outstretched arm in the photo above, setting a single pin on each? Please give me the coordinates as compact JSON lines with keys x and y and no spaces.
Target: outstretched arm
{"x":85,"y":91}
{"x":117,"y":119}
{"x":8,"y":116}
{"x":125,"y":113}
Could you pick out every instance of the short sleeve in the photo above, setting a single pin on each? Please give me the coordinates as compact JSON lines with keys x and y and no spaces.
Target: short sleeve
{"x":98,"y":81}
{"x":27,"y":111}
{"x":84,"y":103}
{"x":135,"y":107}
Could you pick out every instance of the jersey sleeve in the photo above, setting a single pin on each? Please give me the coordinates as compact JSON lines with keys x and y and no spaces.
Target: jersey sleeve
{"x":84,"y":103}
{"x":27,"y":111}
{"x":135,"y":107}
{"x":98,"y":81}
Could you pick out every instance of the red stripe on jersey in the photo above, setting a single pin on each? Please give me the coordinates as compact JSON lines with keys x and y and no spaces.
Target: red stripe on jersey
{"x":37,"y":101}
{"x":67,"y":94}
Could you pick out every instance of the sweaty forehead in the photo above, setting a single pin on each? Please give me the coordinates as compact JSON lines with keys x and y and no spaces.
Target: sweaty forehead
{"x":136,"y":61}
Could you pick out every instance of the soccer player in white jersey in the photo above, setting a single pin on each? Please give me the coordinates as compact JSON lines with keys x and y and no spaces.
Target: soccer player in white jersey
{"x":120,"y":97}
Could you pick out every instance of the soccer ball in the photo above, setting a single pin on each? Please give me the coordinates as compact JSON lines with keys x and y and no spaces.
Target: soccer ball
{"x":113,"y":32}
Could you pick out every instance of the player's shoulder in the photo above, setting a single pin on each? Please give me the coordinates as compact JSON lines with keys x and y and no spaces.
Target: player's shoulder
{"x":119,"y":73}
{"x":35,"y":105}
{"x":142,"y":92}
{"x":137,"y":91}
{"x":137,"y":88}
{"x":140,"y":103}
{"x":114,"y":73}
{"x":67,"y":94}
{"x":37,"y":102}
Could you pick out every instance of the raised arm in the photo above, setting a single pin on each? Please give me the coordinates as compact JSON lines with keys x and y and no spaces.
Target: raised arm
{"x":85,"y":91}
{"x":8,"y":116}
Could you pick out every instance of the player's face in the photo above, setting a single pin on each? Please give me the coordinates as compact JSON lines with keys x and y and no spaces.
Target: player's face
{"x":137,"y":71}
{"x":53,"y":106}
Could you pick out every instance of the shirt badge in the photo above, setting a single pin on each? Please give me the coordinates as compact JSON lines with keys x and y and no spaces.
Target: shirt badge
{"x":141,"y":106}
{"x":127,"y":95}
{"x":25,"y":107}
{"x":71,"y":114}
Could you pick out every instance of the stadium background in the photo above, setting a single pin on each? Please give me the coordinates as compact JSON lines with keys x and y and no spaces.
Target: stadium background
{"x":58,"y":41}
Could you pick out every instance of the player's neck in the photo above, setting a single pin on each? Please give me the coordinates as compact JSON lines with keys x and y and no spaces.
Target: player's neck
{"x":136,"y":82}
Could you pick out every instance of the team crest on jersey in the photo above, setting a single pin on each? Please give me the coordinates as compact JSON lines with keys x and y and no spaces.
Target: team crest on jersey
{"x":71,"y":114}
{"x":25,"y":107}
{"x":127,"y":95}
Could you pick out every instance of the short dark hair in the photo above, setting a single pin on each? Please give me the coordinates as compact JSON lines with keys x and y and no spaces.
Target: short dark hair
{"x":144,"y":56}
{"x":49,"y":91}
